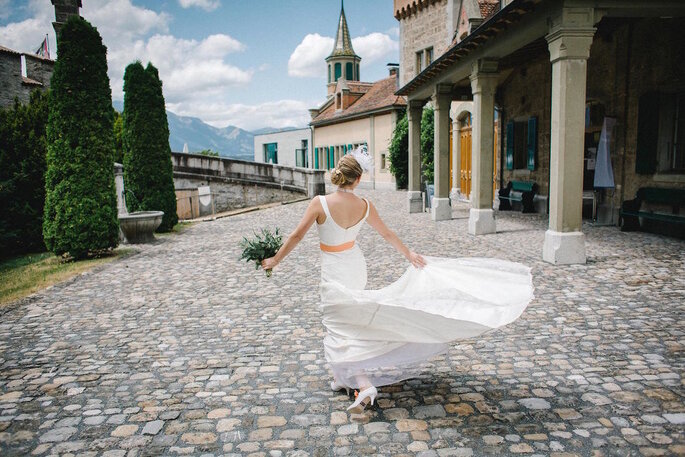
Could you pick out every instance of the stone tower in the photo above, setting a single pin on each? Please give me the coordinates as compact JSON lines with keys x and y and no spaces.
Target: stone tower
{"x":343,"y":63}
{"x":64,"y":9}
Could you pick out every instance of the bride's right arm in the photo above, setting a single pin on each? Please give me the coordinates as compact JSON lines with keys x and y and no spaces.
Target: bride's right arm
{"x":310,"y":215}
{"x":377,"y":223}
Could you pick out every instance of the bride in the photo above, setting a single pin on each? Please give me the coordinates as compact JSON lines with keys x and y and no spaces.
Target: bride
{"x":377,"y":337}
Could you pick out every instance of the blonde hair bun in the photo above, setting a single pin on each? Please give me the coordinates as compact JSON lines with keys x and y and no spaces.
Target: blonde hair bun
{"x":347,"y":171}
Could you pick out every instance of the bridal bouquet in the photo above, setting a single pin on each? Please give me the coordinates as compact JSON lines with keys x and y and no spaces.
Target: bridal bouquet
{"x":261,"y":247}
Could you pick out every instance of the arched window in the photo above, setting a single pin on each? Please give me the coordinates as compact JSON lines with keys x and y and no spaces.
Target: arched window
{"x":329,"y":73}
{"x":338,"y":70}
{"x":356,"y":77}
{"x":349,"y":68}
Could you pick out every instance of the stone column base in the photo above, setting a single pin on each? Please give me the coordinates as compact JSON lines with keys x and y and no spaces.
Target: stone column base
{"x":441,"y":209}
{"x":564,"y":248}
{"x":481,"y":221}
{"x":415,"y":201}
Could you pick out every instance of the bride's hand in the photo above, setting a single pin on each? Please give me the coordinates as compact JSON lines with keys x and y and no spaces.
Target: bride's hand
{"x":416,"y":259}
{"x":269,"y":264}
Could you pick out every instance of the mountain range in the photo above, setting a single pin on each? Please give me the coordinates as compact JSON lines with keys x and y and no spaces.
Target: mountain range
{"x":229,"y":141}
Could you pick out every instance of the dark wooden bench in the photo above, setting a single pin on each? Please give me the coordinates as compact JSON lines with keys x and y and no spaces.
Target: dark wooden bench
{"x":518,"y":191}
{"x":631,"y":210}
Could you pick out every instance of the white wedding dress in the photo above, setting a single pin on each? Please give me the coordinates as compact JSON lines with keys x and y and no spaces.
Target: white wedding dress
{"x":381,"y":336}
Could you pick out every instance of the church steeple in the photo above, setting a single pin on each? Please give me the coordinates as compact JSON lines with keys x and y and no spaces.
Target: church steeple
{"x":342,"y":63}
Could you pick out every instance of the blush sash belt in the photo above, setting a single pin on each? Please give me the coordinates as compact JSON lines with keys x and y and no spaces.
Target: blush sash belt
{"x":337,"y":248}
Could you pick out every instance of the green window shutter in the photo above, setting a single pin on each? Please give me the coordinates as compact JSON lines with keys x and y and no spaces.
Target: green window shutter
{"x":331,"y":156}
{"x":532,"y":142}
{"x":509,"y":159}
{"x":316,"y":158}
{"x":348,"y":71}
{"x":338,"y":70}
{"x":647,"y":133}
{"x":349,"y":147}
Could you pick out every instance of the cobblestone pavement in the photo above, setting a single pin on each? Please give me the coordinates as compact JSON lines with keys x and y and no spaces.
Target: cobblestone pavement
{"x":182,"y":349}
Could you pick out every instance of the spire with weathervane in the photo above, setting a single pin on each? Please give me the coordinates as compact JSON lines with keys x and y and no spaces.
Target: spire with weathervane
{"x":343,"y":63}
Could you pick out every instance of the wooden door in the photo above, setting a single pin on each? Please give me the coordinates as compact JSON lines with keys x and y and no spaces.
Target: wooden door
{"x":465,"y":171}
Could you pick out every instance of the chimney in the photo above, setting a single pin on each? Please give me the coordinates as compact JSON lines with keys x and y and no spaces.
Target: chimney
{"x":394,"y":70}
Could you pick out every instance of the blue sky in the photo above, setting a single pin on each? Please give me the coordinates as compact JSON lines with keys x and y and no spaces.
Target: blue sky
{"x":253,"y":63}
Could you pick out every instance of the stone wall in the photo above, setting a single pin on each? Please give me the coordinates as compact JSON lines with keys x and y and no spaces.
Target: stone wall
{"x":10,"y":79}
{"x":425,"y":28}
{"x":239,"y":183}
{"x":39,"y":69}
{"x":627,"y":59}
{"x":228,"y":194}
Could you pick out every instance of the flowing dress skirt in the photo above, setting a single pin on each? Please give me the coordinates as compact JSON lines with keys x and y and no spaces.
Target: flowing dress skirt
{"x":381,"y":336}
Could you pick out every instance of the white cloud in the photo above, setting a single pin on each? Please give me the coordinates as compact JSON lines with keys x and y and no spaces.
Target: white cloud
{"x":374,"y":46}
{"x":307,"y":60}
{"x":27,"y":35}
{"x":119,"y":21}
{"x":207,"y":5}
{"x":281,"y":113}
{"x":188,"y":68}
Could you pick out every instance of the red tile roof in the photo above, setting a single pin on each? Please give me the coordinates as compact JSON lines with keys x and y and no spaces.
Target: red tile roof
{"x":379,"y":95}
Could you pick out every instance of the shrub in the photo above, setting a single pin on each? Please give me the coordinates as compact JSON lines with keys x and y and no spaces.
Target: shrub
{"x":80,"y":215}
{"x":398,"y":153}
{"x":427,"y":140}
{"x":148,"y":171}
{"x":22,"y":175}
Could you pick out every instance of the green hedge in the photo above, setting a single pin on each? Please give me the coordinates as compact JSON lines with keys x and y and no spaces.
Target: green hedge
{"x":427,"y":140}
{"x":80,"y":216}
{"x":148,"y":171}
{"x":22,"y":175}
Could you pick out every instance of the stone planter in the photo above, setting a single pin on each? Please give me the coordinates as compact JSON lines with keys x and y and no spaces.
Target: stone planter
{"x":139,"y":226}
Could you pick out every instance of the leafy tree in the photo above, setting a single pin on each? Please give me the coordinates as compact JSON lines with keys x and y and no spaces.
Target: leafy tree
{"x":22,"y":175}
{"x":80,"y":217}
{"x":118,"y":140}
{"x":148,"y":171}
{"x":209,"y":153}
{"x":399,"y":149}
{"x":427,"y":139}
{"x":398,"y":153}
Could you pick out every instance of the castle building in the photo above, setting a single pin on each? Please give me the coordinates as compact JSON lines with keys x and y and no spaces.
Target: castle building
{"x":20,"y":72}
{"x":355,"y":113}
{"x":589,"y":99}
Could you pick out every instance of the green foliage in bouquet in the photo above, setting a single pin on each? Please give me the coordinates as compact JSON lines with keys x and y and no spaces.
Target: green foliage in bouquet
{"x":261,"y":247}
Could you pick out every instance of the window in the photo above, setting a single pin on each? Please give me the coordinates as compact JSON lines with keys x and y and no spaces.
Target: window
{"x":419,"y":62}
{"x":329,"y":73}
{"x":338,"y":70}
{"x":521,"y":144}
{"x":429,"y":55}
{"x":348,"y":71}
{"x":357,"y":78}
{"x":383,"y":163}
{"x":271,"y":153}
{"x":661,"y":133}
{"x":338,"y":101}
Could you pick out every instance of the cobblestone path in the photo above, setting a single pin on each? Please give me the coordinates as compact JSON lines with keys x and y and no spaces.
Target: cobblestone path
{"x":182,"y":349}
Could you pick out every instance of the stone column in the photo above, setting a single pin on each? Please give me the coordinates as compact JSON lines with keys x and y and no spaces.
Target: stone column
{"x":414,"y":112}
{"x":456,"y":159}
{"x":569,"y":43}
{"x":442,"y":99}
{"x":484,"y":79}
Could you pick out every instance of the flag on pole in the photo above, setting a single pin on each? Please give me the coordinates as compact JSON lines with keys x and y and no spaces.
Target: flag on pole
{"x":44,"y":49}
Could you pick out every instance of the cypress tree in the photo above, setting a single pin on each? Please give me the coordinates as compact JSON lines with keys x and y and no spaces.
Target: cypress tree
{"x":80,"y":216}
{"x":427,"y":146}
{"x":148,"y":171}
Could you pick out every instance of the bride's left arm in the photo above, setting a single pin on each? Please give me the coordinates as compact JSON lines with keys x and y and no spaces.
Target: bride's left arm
{"x":308,"y":219}
{"x":377,"y":223}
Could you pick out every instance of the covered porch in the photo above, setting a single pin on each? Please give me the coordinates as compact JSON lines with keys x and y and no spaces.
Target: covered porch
{"x":478,"y":68}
